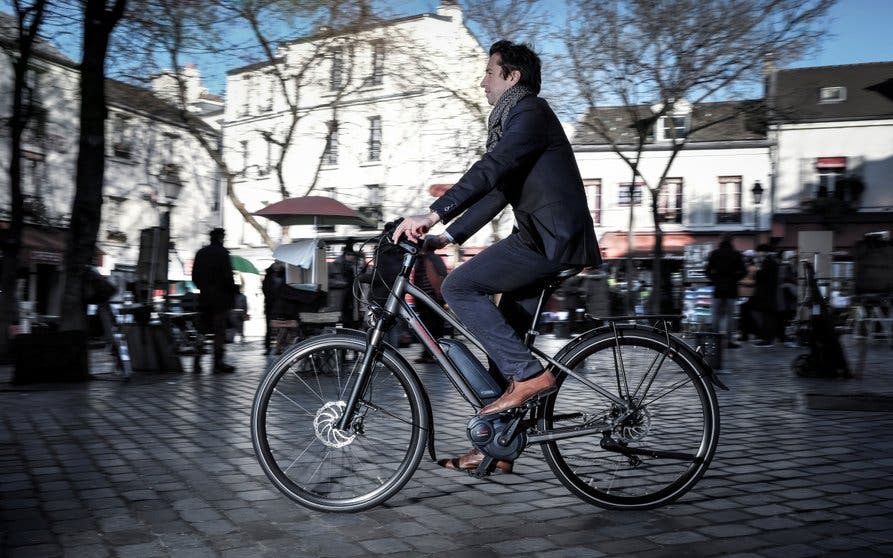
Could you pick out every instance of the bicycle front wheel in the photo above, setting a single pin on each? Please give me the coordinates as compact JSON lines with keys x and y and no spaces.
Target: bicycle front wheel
{"x":648,"y":455}
{"x":294,"y":425}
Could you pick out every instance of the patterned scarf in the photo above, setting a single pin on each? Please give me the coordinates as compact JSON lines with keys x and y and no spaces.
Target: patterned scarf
{"x":500,"y":110}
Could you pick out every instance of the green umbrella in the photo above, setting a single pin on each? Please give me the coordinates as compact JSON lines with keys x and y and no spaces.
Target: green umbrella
{"x":243,"y":265}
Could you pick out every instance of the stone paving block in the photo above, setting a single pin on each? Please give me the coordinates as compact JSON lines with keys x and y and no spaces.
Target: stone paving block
{"x":385,"y":546}
{"x":147,"y":550}
{"x":91,"y":550}
{"x":792,"y":551}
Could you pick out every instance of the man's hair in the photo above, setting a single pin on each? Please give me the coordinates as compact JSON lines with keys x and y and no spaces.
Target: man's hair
{"x":519,"y":57}
{"x":217,"y":234}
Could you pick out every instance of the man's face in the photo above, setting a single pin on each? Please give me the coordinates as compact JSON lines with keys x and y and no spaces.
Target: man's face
{"x":493,"y":83}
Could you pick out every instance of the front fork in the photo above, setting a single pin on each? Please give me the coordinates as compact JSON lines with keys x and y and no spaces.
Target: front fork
{"x":373,"y":349}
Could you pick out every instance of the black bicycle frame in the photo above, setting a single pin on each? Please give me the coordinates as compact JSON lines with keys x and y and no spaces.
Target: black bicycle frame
{"x":396,"y":305}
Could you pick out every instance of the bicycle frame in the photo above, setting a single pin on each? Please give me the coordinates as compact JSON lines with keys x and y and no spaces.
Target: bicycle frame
{"x":396,"y":305}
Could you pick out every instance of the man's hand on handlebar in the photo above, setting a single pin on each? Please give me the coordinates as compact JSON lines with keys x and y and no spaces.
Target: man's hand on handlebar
{"x":415,"y":226}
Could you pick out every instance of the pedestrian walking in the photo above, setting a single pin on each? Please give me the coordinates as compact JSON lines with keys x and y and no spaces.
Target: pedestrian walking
{"x":238,"y":316}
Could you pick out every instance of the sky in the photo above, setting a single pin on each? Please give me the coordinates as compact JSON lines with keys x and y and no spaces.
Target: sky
{"x":859,"y":31}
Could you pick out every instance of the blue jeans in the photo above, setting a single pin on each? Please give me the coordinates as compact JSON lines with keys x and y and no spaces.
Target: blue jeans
{"x":518,"y":272}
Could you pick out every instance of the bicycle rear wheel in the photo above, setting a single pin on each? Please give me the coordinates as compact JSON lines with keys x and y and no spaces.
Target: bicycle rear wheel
{"x":657,"y":452}
{"x":298,"y":405}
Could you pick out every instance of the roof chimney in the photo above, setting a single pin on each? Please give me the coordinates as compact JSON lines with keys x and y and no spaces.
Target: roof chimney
{"x":450,"y":9}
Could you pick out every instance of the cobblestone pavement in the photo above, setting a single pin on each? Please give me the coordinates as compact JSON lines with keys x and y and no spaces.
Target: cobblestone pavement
{"x":163,"y":466}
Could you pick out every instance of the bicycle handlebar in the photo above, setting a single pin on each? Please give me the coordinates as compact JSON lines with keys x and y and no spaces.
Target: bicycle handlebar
{"x":405,"y":244}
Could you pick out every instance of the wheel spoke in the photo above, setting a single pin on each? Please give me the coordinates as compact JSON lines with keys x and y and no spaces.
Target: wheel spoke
{"x":662,"y":431}
{"x":295,"y":433}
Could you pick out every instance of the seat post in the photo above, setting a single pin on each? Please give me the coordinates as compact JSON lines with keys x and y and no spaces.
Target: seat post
{"x":531,"y":334}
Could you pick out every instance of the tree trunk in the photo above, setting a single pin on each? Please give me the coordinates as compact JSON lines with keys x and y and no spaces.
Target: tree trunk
{"x":12,"y":237}
{"x":86,"y":210}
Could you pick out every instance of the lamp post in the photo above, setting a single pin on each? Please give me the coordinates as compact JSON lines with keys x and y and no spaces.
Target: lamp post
{"x":757,"y":192}
{"x":171,"y":188}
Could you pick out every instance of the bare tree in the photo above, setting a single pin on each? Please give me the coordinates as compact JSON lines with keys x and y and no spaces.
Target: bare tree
{"x":176,"y":29}
{"x":29,"y":18}
{"x":99,"y":21}
{"x":648,"y":57}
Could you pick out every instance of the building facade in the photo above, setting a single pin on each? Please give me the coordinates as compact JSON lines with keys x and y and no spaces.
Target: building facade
{"x":382,"y":114}
{"x":831,"y":131}
{"x":156,"y":174}
{"x":707,"y":191}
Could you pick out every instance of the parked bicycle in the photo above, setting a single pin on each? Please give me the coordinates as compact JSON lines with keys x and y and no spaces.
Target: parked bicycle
{"x":341,"y":421}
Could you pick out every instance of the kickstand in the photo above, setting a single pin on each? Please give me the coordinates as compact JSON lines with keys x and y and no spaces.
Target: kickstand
{"x":484,"y":468}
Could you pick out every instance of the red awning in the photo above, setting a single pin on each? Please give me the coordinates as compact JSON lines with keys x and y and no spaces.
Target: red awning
{"x":614,"y":244}
{"x":830,"y":163}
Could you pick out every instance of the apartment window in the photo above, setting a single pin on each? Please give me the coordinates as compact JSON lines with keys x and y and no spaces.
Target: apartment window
{"x":33,"y":81}
{"x":372,"y":211}
{"x":375,"y":138}
{"x":243,"y":146}
{"x":35,"y":133}
{"x":669,"y":201}
{"x":267,"y":104}
{"x":832,"y":94}
{"x":264,"y":169}
{"x":593,"y":190}
{"x":377,"y":76}
{"x":247,"y":88}
{"x":330,"y":155}
{"x":728,"y":208}
{"x":33,"y":173}
{"x":336,"y":79}
{"x":674,"y":127}
{"x":122,"y":136}
{"x":625,"y":188}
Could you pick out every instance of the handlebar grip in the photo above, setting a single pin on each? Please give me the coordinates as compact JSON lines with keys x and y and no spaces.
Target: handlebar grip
{"x":404,"y":244}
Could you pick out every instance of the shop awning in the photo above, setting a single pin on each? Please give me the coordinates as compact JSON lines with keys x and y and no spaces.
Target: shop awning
{"x":614,"y":244}
{"x":41,"y":245}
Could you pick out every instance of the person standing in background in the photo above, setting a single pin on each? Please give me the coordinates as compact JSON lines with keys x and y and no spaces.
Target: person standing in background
{"x":212,"y":273}
{"x":725,"y":267}
{"x":273,"y":279}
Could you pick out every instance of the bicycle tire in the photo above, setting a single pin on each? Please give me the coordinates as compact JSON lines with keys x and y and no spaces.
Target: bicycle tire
{"x":678,"y":417}
{"x":318,"y":466}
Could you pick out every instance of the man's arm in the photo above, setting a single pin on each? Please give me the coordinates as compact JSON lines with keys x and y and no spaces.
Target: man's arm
{"x":524,"y":138}
{"x":477,"y":216}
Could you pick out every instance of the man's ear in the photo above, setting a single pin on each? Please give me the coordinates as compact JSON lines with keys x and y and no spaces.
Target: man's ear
{"x":515,"y":76}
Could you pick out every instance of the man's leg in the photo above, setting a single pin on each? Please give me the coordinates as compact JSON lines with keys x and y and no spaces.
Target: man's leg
{"x":220,"y":322}
{"x":504,"y":267}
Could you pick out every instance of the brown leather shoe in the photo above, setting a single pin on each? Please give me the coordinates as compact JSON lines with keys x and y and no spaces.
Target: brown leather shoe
{"x":519,"y":393}
{"x":471,"y":460}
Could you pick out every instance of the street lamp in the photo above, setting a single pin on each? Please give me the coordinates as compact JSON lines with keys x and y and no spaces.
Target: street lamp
{"x":757,"y":192}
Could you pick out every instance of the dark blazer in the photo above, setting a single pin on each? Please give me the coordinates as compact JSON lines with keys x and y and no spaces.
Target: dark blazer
{"x":532,"y":168}
{"x":725,"y":267}
{"x":212,"y":273}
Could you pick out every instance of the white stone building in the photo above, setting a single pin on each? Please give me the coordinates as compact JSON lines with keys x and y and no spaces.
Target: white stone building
{"x":829,"y":125}
{"x":149,"y":155}
{"x":708,"y":189}
{"x":386,"y":111}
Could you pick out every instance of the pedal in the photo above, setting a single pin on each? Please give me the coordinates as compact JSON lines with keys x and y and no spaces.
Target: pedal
{"x":484,"y":469}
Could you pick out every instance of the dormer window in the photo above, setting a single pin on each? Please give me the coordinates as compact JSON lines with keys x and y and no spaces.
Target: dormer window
{"x":832,"y":94}
{"x":673,"y":127}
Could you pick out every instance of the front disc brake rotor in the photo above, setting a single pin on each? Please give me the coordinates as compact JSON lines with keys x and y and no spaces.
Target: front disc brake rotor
{"x":324,"y":423}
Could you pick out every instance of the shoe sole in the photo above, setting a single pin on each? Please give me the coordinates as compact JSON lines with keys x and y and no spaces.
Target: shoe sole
{"x":534,"y":397}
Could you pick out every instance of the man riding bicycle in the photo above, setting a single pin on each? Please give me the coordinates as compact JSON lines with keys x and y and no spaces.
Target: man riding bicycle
{"x":529,"y":165}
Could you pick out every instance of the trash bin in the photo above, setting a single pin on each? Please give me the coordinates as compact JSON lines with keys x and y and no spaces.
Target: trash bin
{"x":711,"y":345}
